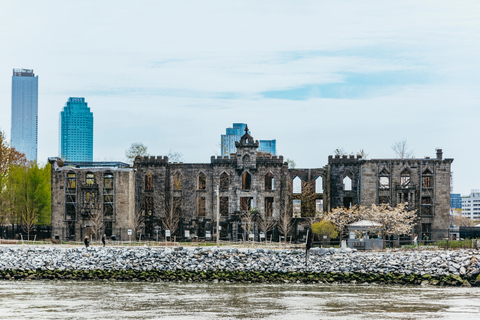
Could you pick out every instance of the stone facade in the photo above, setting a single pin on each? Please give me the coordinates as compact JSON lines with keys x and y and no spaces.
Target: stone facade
{"x":246,"y":181}
{"x":82,"y":192}
{"x":422,"y":183}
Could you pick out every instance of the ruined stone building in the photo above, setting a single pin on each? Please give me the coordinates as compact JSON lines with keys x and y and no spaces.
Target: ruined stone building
{"x":247,"y":180}
{"x":422,"y":183}
{"x":89,"y":196}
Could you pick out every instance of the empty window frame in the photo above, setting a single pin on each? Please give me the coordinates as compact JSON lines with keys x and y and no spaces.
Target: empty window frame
{"x":347,"y":183}
{"x":148,"y":206}
{"x":427,"y":179}
{"x":384,"y":179}
{"x":108,"y":181}
{"x":90,"y":179}
{"x":297,"y":185}
{"x":269,"y":181}
{"x":177,"y":181}
{"x":268,"y":206}
{"x":427,"y":206}
{"x":246,"y":181}
{"x":224,"y":182}
{"x":201,"y":208}
{"x":90,"y":199}
{"x":405,"y":179}
{"x":383,"y":200}
{"x":177,"y":206}
{"x":245,"y":203}
{"x":108,"y":211}
{"x":202,"y":181}
{"x":71,"y":181}
{"x":148,"y":182}
{"x":224,"y":206}
{"x":108,"y":198}
{"x":70,"y":212}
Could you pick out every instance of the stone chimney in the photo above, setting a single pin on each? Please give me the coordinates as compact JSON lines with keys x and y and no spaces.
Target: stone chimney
{"x":439,"y":154}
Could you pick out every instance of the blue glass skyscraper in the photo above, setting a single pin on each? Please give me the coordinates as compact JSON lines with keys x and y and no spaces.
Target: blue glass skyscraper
{"x":233,"y":134}
{"x":24,"y":126}
{"x":76,"y":131}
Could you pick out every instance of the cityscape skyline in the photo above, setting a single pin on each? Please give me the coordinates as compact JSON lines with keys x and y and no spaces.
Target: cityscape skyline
{"x":315,"y":76}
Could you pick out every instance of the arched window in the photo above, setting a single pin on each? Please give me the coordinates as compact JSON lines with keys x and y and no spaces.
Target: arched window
{"x":224,"y":182}
{"x":347,"y":184}
{"x":246,"y":181}
{"x":427,"y":179}
{"x":202,"y":181}
{"x":384,"y":179}
{"x":297,"y":185}
{"x":148,"y":182}
{"x":177,"y":181}
{"x":90,"y":178}
{"x":269,"y":181}
{"x":405,"y":178}
{"x":108,"y":180}
{"x":319,"y":185}
{"x":71,"y":180}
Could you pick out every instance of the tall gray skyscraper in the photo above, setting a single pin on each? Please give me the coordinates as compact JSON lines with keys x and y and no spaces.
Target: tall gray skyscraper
{"x":24,"y":129}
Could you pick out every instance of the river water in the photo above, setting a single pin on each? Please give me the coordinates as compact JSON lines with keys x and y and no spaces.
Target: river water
{"x":147,"y":300}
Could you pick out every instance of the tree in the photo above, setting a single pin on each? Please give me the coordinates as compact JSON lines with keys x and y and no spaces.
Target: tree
{"x":324,"y":229}
{"x":9,"y":157}
{"x":96,"y":219}
{"x":291,"y":163}
{"x":339,"y":152}
{"x":392,"y":220}
{"x":362,"y":153}
{"x":342,"y":217}
{"x":138,"y":222}
{"x":461,"y":221}
{"x":248,"y":217}
{"x":174,"y":156}
{"x":136,"y":149}
{"x":401,"y":150}
{"x":172,"y":215}
{"x":285,"y":222}
{"x":32,"y":196}
{"x":266,"y":223}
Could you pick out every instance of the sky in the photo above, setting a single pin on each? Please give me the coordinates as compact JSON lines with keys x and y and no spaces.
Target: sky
{"x":314,"y":75}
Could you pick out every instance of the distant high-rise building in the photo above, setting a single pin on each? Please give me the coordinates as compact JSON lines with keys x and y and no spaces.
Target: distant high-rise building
{"x":76,"y":131}
{"x":235,"y":133}
{"x":24,"y":126}
{"x":471,"y":205}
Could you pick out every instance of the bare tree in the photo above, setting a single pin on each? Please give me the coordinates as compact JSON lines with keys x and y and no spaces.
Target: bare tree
{"x":285,"y":222}
{"x":248,"y":218}
{"x":174,"y":156}
{"x":172,"y":216}
{"x":401,"y":150}
{"x":138,"y":222}
{"x":96,"y":219}
{"x":267,"y":223}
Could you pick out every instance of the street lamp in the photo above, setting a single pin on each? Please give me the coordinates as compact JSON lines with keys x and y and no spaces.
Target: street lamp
{"x":218,"y":217}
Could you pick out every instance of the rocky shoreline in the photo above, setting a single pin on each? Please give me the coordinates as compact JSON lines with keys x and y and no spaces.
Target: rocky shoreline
{"x":460,"y":267}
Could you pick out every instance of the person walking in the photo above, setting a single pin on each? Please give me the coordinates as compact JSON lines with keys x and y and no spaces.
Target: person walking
{"x":104,"y":239}
{"x":425,"y":238}
{"x":415,"y":239}
{"x":86,"y":241}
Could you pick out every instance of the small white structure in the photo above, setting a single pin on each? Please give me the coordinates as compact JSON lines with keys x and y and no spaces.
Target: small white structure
{"x":363,"y":235}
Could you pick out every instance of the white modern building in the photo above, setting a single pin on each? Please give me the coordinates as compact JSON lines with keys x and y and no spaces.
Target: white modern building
{"x":471,"y":205}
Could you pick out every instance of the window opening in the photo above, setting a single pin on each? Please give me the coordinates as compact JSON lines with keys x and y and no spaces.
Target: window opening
{"x":148,"y":182}
{"x":347,"y":184}
{"x":224,"y":206}
{"x":268,"y":206}
{"x":90,"y":180}
{"x":201,"y":206}
{"x":177,"y":181}
{"x":246,"y":181}
{"x":224,"y":182}
{"x":71,"y":181}
{"x":108,"y":181}
{"x":269,"y":181}
{"x":405,"y":179}
{"x":202,"y":181}
{"x":297,"y":185}
{"x":319,"y":185}
{"x":148,"y":206}
{"x":245,"y":203}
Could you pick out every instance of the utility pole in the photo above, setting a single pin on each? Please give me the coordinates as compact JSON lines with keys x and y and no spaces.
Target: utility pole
{"x":218,"y":217}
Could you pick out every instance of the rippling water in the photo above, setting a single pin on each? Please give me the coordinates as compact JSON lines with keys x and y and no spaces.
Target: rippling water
{"x":143,"y":300}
